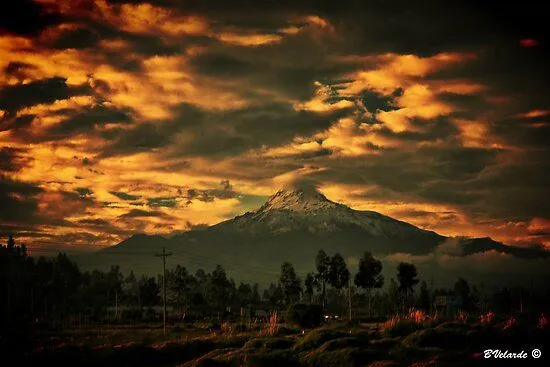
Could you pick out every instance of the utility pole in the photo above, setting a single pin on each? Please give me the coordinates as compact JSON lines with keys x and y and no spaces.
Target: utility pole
{"x":164,"y":255}
{"x":431,"y":294}
{"x":349,"y":298}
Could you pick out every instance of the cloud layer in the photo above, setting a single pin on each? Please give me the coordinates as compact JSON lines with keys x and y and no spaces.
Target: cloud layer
{"x":119,"y":117}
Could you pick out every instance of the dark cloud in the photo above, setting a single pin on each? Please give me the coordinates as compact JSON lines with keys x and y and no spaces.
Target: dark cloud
{"x":206,"y":135}
{"x":16,"y":123}
{"x":47,"y":91}
{"x":165,"y":202}
{"x":84,"y":191}
{"x":138,"y":213}
{"x":78,"y":38}
{"x":97,"y":222}
{"x":225,"y":191}
{"x":85,"y":120}
{"x":13,"y":159}
{"x":25,"y":17}
{"x":373,"y":101}
{"x":124,"y":196}
{"x":18,"y":201}
{"x":18,"y":70}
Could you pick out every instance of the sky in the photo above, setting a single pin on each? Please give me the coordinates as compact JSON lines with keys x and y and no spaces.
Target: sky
{"x":123,"y":117}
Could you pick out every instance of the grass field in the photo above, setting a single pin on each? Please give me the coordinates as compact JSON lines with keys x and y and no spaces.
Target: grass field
{"x":406,"y":340}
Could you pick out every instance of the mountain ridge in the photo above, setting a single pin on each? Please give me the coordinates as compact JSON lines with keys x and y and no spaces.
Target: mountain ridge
{"x":293,"y":225}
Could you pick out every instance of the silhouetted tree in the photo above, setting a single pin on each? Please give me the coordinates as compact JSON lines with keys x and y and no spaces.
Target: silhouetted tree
{"x":256,"y":293}
{"x":462,"y":289}
{"x":273,"y":295}
{"x":290,"y":283}
{"x":369,"y":275}
{"x":149,"y":292}
{"x":219,"y":288}
{"x":322,"y":264}
{"x":406,"y":276}
{"x":392,"y":294}
{"x":338,"y":275}
{"x":178,"y":286}
{"x":310,"y":284}
{"x":244,"y":294}
{"x":424,"y":297}
{"x":338,"y":272}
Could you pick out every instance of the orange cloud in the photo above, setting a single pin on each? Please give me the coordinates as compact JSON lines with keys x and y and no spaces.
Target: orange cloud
{"x":143,"y":18}
{"x":249,"y":39}
{"x":534,"y":114}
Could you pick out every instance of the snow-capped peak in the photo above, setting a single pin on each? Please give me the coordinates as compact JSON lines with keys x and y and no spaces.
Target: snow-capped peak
{"x":298,"y":198}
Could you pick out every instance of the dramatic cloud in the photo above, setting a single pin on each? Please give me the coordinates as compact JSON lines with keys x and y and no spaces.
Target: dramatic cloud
{"x":119,"y":117}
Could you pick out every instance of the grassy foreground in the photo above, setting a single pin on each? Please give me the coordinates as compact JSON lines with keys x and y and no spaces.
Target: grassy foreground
{"x":409,"y":340}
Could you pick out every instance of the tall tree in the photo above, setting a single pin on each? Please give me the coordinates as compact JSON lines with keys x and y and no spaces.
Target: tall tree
{"x":462,"y":289}
{"x":338,"y":276}
{"x":244,"y":294}
{"x":310,"y":285}
{"x":290,"y":283}
{"x":149,"y":291}
{"x":369,"y":276}
{"x":407,"y":278}
{"x":338,"y":272}
{"x":393,"y":294}
{"x":424,"y":297}
{"x":274,"y":295}
{"x":322,"y":264}
{"x":178,"y":286}
{"x":219,"y":288}
{"x":256,"y":293}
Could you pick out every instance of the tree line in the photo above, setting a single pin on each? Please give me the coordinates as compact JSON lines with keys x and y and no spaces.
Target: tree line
{"x":36,"y":290}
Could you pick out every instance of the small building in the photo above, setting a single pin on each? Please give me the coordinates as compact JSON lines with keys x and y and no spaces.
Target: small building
{"x":448,"y":305}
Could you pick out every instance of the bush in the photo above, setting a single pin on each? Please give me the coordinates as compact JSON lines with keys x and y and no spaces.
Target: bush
{"x":305,"y":315}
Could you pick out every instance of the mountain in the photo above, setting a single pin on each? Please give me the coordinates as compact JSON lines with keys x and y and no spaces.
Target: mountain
{"x":293,"y":225}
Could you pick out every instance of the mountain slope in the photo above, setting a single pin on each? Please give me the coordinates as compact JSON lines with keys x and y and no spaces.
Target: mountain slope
{"x":293,"y":225}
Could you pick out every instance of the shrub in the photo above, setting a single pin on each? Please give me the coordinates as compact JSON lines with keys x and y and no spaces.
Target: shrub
{"x":487,"y":318}
{"x":272,"y":325}
{"x":305,"y":315}
{"x":462,"y":316}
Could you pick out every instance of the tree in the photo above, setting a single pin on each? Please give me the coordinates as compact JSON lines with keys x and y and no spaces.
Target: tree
{"x":338,"y":275}
{"x":462,"y":289}
{"x":310,"y":284}
{"x":256,"y":293}
{"x":244,"y":294}
{"x":393,"y":293}
{"x":369,"y":276}
{"x":290,"y":283}
{"x":148,"y":291}
{"x":274,"y":295}
{"x":424,"y":298}
{"x":322,"y":264}
{"x":338,"y":272}
{"x":219,"y":288}
{"x":406,"y":276}
{"x":178,"y":285}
